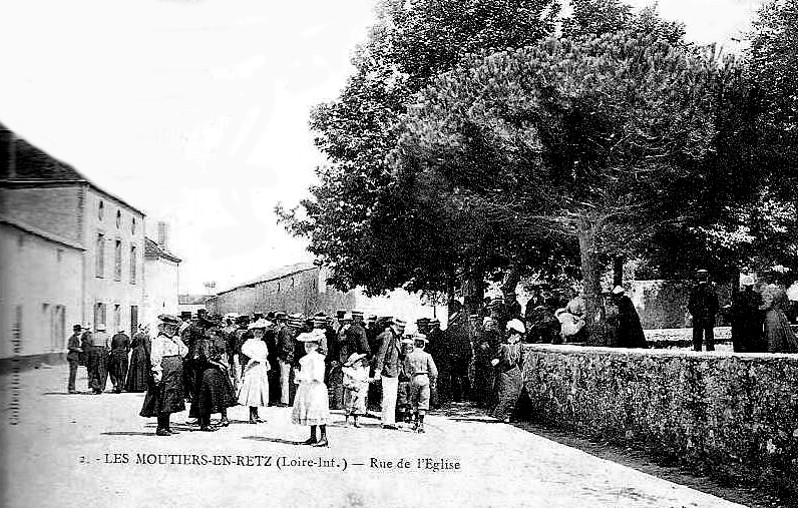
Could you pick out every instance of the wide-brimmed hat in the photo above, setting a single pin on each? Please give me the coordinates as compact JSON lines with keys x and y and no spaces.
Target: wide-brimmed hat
{"x":260,"y":324}
{"x":320,"y":320}
{"x":169,"y":319}
{"x":420,"y":337}
{"x":357,"y":315}
{"x":407,"y":340}
{"x":372,"y":318}
{"x":309,"y":337}
{"x":76,"y":328}
{"x":354,"y":357}
{"x":280,"y":316}
{"x":747,"y":280}
{"x":346,"y":317}
{"x":516,"y":325}
{"x":100,"y":327}
{"x":400,"y":323}
{"x":618,"y":290}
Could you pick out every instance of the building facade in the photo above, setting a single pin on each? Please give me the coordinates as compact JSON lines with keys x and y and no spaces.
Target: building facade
{"x":162,"y":278}
{"x":71,"y":254}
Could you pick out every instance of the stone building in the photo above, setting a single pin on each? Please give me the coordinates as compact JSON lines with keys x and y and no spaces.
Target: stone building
{"x":303,"y":288}
{"x":72,"y":253}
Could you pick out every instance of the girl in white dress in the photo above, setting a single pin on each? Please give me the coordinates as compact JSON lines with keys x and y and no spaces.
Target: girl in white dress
{"x":254,"y":391}
{"x":311,"y":405}
{"x":356,"y":386}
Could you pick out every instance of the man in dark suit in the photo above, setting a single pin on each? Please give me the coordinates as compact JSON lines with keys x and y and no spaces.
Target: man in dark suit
{"x":703,"y":306}
{"x":74,"y":350}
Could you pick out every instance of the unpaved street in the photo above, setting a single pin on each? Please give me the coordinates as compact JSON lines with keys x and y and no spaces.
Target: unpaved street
{"x":87,"y":451}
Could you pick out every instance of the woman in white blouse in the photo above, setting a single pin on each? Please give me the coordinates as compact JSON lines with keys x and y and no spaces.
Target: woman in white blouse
{"x":254,"y":391}
{"x":165,"y":390}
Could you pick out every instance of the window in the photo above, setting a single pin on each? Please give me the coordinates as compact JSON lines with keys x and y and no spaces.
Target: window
{"x":59,"y":255}
{"x":292,"y":282}
{"x":133,"y":262}
{"x":278,"y":287}
{"x":101,"y":211}
{"x":99,"y":314}
{"x":118,"y":260}
{"x":58,"y":328}
{"x":133,"y":226}
{"x":118,"y":219}
{"x":100,"y":256}
{"x":117,"y":318}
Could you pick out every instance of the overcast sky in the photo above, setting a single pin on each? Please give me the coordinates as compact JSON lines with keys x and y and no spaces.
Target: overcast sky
{"x":196,"y":111}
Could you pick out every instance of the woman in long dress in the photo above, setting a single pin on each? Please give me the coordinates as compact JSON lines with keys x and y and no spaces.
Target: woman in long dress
{"x":254,"y":390}
{"x":214,"y":390}
{"x":165,"y":390}
{"x":780,"y":336}
{"x":139,"y":372}
{"x":311,"y":404}
{"x":508,"y":365}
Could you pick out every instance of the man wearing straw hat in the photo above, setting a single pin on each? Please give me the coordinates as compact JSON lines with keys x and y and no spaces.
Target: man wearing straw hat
{"x":387,"y":371}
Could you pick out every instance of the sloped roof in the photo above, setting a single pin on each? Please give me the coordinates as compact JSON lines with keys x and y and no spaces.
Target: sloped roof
{"x":154,"y":251}
{"x":192,"y":299}
{"x":33,"y":166}
{"x":277,"y":273}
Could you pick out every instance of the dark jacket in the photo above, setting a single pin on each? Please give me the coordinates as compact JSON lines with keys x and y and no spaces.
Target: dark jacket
{"x":74,"y":348}
{"x":703,"y":304}
{"x":388,"y":356}
{"x":285,"y":344}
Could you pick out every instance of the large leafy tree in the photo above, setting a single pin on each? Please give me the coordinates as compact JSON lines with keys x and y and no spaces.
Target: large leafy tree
{"x":370,"y":227}
{"x":597,"y":139}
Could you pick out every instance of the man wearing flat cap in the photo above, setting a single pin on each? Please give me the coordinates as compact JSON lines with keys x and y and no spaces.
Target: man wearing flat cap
{"x":386,"y":370}
{"x":73,"y":356}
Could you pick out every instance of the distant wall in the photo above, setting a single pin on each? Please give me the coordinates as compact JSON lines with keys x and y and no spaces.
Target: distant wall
{"x":663,"y":303}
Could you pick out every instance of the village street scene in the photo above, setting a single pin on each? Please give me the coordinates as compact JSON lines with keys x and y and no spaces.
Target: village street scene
{"x":399,"y":252}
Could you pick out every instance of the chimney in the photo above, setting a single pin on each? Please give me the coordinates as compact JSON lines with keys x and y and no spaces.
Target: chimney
{"x":8,"y":153}
{"x":163,"y":231}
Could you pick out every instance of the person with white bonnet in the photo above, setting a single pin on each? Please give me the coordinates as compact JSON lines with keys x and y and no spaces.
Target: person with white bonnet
{"x":311,"y":403}
{"x":747,"y":319}
{"x":254,"y":390}
{"x":356,"y":386}
{"x":508,"y":367}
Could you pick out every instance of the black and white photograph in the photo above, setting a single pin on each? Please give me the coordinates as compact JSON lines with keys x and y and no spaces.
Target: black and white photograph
{"x":399,"y":253}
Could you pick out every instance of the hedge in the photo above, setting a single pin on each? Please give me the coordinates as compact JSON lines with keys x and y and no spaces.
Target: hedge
{"x":733,"y":416}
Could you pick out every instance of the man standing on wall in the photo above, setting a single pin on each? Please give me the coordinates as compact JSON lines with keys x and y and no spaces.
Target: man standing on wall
{"x":703,"y":306}
{"x":387,"y":371}
{"x":73,"y":356}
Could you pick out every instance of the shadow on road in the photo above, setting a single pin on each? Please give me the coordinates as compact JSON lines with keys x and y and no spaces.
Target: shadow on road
{"x":275,"y":440}
{"x":128,"y":434}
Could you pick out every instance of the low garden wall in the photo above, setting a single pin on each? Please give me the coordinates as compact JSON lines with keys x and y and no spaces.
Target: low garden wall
{"x":727,"y":415}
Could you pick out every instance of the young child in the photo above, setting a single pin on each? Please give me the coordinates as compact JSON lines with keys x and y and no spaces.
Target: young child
{"x":423,"y":373}
{"x":356,"y":386}
{"x":311,"y":405}
{"x":403,"y":391}
{"x":254,"y":390}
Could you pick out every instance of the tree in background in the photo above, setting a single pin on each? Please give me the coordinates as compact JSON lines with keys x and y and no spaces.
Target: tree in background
{"x":370,"y":228}
{"x":593,"y":139}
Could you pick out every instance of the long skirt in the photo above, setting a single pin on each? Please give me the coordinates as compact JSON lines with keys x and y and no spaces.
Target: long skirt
{"x":97,"y":366}
{"x":355,"y":399}
{"x":117,"y":368}
{"x":311,"y":405}
{"x":165,"y":397}
{"x":254,"y":391}
{"x":215,"y":393}
{"x":509,"y":390}
{"x":138,"y":374}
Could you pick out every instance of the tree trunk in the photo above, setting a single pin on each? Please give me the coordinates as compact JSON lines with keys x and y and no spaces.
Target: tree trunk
{"x":617,"y":271}
{"x":591,"y":280}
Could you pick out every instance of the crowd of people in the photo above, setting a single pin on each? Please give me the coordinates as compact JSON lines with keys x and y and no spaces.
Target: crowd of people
{"x":352,"y":363}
